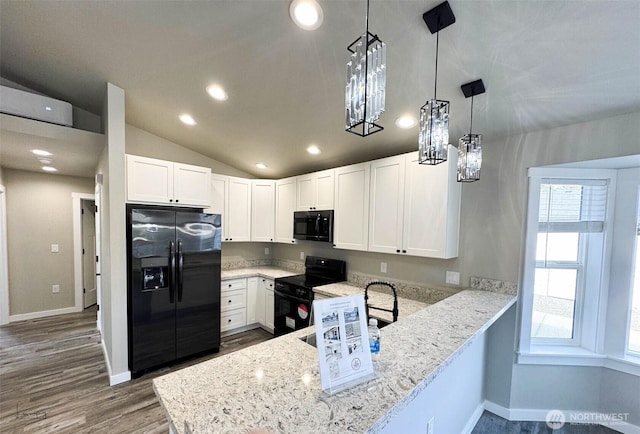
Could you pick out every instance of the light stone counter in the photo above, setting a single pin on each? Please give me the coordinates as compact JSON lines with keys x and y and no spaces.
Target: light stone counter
{"x":268,"y":272}
{"x":406,"y":307}
{"x":276,"y":384}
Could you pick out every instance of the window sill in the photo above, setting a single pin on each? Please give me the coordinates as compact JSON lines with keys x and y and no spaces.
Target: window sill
{"x":580,"y":357}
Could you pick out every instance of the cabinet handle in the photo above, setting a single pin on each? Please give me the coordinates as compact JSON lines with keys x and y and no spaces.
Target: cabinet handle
{"x":229,"y":320}
{"x":404,"y":251}
{"x":293,"y":241}
{"x":229,"y":285}
{"x":170,"y":200}
{"x":229,"y":301}
{"x":398,"y":251}
{"x":177,"y":201}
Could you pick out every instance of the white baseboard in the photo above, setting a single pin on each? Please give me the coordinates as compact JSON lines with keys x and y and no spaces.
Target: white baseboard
{"x":43,"y":314}
{"x":539,"y":415}
{"x":122,"y":377}
{"x":473,"y":420}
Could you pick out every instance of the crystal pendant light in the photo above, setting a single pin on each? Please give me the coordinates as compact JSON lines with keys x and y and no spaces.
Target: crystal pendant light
{"x":433,"y":138}
{"x":366,"y":82}
{"x":470,"y":145}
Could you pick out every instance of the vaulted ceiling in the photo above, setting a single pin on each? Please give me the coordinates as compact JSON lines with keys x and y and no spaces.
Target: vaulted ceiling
{"x":544,"y":64}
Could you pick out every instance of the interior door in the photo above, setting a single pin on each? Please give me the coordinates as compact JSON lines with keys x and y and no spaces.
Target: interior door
{"x":152,"y":324}
{"x":198,"y":238}
{"x":89,"y":253}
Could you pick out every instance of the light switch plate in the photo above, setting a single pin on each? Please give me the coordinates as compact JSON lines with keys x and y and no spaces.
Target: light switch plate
{"x":55,"y":288}
{"x":266,"y":251}
{"x":55,"y":248}
{"x":383,"y":267}
{"x":302,"y":255}
{"x":453,"y":278}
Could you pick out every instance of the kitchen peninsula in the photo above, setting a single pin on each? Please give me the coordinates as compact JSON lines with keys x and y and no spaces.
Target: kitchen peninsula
{"x":275,"y":385}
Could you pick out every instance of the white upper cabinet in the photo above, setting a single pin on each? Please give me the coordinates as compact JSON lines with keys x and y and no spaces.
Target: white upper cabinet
{"x":351,"y":216}
{"x":432,"y":208}
{"x":238,"y":216}
{"x":315,"y":191}
{"x":386,"y":206}
{"x":263,"y":209}
{"x":218,"y":199}
{"x":163,"y":182}
{"x":285,"y":206}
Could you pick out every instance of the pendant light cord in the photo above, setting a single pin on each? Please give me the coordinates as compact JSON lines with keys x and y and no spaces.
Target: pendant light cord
{"x":471,"y":125}
{"x":435,"y":86}
{"x":367,"y":24}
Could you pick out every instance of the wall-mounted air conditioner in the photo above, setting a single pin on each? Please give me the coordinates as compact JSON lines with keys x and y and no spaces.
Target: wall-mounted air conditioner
{"x":29,"y":105}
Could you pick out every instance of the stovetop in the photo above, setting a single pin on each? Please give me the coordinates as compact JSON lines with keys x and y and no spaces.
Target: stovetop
{"x":308,"y":281}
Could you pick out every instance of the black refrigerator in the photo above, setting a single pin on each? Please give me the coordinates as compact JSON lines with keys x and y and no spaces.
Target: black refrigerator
{"x":173,"y":266}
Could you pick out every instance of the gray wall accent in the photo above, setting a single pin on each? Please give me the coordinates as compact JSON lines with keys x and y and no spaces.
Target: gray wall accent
{"x":40,"y":213}
{"x":140,"y":142}
{"x":620,"y":393}
{"x":499,"y":358}
{"x":563,"y":387}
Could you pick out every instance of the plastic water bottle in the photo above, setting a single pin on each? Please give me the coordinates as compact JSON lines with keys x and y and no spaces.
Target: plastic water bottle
{"x":374,"y":337}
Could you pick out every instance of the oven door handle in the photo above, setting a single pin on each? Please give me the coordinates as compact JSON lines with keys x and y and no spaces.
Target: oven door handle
{"x":292,"y":297}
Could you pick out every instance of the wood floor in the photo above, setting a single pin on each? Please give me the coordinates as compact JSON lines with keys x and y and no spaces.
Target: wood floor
{"x":53,"y":379}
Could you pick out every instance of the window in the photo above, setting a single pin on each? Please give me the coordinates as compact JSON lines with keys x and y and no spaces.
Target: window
{"x":570,"y":221}
{"x":579,"y":298}
{"x":634,"y":323}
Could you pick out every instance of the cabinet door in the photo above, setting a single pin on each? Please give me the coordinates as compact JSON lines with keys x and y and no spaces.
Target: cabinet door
{"x":269,"y":309}
{"x":386,"y":205}
{"x":351,"y":217}
{"x":325,"y":189}
{"x":285,"y":206}
{"x":261,"y":301}
{"x":254,"y":304}
{"x":263,"y":210}
{"x":191,"y":185}
{"x":306,"y":189}
{"x":432,"y":208}
{"x":238,"y":210}
{"x":218,"y":199}
{"x":149,"y":180}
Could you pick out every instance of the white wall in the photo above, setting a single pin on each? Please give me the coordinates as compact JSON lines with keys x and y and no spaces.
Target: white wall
{"x":113,"y":235}
{"x":499,"y":359}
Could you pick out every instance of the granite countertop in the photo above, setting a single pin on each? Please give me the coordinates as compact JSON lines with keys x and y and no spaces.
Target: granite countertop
{"x":269,"y":272}
{"x":406,"y":307}
{"x":276,"y":384}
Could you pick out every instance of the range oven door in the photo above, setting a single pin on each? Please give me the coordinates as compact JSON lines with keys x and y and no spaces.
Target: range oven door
{"x":291,"y":312}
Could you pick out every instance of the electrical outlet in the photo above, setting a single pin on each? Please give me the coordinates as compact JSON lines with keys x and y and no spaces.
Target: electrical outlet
{"x":383,"y":267}
{"x":430,"y":426}
{"x":55,"y":248}
{"x":452,"y":278}
{"x":55,"y":288}
{"x":266,"y":251}
{"x":302,"y":256}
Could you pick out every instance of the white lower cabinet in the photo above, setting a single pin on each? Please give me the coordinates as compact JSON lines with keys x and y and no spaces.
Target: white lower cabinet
{"x":269,"y":309}
{"x":233,"y":304}
{"x":253,"y":312}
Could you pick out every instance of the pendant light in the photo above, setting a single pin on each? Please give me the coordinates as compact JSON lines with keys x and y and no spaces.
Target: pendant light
{"x":433,"y":139}
{"x":470,"y":145}
{"x":366,"y":81}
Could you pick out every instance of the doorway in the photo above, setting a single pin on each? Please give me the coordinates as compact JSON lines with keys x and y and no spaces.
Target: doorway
{"x":89,"y":283}
{"x":4,"y":276}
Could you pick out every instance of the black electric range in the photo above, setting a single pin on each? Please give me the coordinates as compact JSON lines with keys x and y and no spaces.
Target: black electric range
{"x":293,"y":295}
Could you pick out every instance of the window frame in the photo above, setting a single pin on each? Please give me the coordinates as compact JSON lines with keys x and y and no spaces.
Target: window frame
{"x":585,"y":348}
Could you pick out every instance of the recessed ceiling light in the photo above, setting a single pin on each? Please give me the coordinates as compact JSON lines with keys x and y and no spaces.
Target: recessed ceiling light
{"x":406,"y":121}
{"x":313,"y":150}
{"x":261,"y":166}
{"x":49,"y":169}
{"x":41,"y":153}
{"x":307,"y":14}
{"x":45,"y":160}
{"x":187,"y":119}
{"x":217,"y":92}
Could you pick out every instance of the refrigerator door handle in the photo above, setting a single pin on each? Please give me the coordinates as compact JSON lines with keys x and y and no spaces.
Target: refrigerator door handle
{"x":172,"y":271}
{"x":180,"y":269}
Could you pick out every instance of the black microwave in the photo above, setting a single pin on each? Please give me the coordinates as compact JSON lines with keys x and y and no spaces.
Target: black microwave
{"x":313,"y":225}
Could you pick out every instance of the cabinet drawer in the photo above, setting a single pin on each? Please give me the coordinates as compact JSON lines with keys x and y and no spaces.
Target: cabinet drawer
{"x":232,"y":284}
{"x":230,"y":300}
{"x":233,"y":319}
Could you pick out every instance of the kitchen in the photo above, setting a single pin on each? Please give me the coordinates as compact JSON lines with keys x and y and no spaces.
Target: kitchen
{"x":492,"y":210}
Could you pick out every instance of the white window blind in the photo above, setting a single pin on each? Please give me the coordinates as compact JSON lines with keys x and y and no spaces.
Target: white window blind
{"x":572,"y":207}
